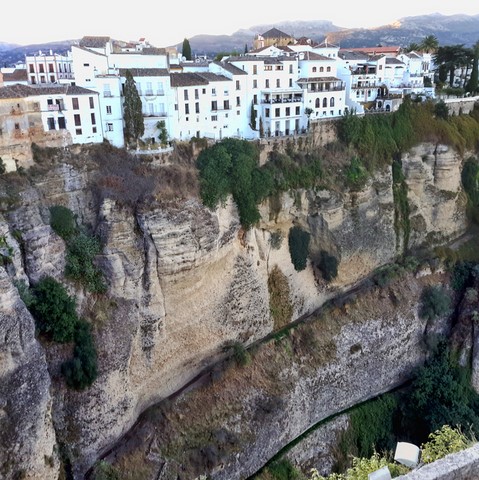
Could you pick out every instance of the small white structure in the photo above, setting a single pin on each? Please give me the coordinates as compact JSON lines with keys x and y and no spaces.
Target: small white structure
{"x":407,"y":454}
{"x":381,"y":474}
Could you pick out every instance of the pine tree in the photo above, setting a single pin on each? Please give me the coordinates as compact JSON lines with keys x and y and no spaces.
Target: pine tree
{"x":186,"y":49}
{"x":132,"y":110}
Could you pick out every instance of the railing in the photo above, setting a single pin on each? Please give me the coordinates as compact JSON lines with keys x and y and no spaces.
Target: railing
{"x":53,"y":108}
{"x":149,"y":93}
{"x":107,"y":94}
{"x":330,"y":89}
{"x":281,"y":100}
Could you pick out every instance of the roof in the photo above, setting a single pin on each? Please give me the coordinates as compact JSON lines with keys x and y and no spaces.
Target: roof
{"x":145,"y":72}
{"x":188,"y":79}
{"x":231,"y":68}
{"x":275,"y":33}
{"x":318,"y":79}
{"x":376,"y":50}
{"x":94,"y":42}
{"x":352,"y":55}
{"x":393,"y":61}
{"x":316,"y":56}
{"x":18,"y":75}
{"x":153,"y":51}
{"x":23,"y":91}
{"x":213,"y":77}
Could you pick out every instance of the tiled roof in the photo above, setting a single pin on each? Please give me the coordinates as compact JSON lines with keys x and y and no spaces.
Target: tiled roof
{"x":318,"y":79}
{"x":145,"y":72}
{"x":23,"y":91}
{"x":231,"y":68}
{"x":285,"y":48}
{"x":315,"y":56}
{"x":187,"y":79}
{"x":18,"y":75}
{"x":275,"y":33}
{"x":94,"y":42}
{"x":352,"y":55}
{"x":213,"y":77}
{"x":153,"y":51}
{"x":393,"y":61}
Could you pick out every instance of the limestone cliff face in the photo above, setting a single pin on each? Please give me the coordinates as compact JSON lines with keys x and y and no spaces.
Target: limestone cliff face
{"x":184,"y":281}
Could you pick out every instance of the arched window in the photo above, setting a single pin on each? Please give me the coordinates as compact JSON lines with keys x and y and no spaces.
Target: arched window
{"x":325,"y":102}
{"x":321,"y":69}
{"x":328,"y":69}
{"x":317,"y":103}
{"x":314,"y":69}
{"x":331,"y":102}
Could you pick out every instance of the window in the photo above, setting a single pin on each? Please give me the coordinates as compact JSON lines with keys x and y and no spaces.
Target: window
{"x":255,"y":83}
{"x":203,"y":91}
{"x":187,"y":108}
{"x":185,"y":94}
{"x":93,"y":130}
{"x":214,"y":118}
{"x":52,"y":78}
{"x":78,"y":131}
{"x":197,"y":107}
{"x":266,"y":83}
{"x":226,"y":93}
{"x":321,"y":69}
{"x":291,"y":69}
{"x":325,"y":102}
{"x":278,"y":83}
{"x":86,"y":64}
{"x":108,"y":109}
{"x":314,"y":69}
{"x":109,"y":127}
{"x":214,"y":105}
{"x":213,"y":91}
{"x":92,"y":103}
{"x":238,"y":101}
{"x":17,"y":126}
{"x":51,"y":123}
{"x":49,"y":101}
{"x":160,"y":88}
{"x":277,"y":112}
{"x":197,"y":95}
{"x":288,"y":111}
{"x":266,"y":113}
{"x":61,"y":123}
{"x":331,"y":102}
{"x":42,"y":70}
{"x":237,"y":85}
{"x":226,"y":104}
{"x":268,"y":67}
{"x":33,"y":80}
{"x":317,"y":103}
{"x":50,"y":68}
{"x":290,"y":82}
{"x":77,"y":119}
{"x":328,"y":69}
{"x":255,"y":69}
{"x":255,"y":99}
{"x":106,"y":90}
{"x":298,"y":110}
{"x":31,"y":68}
{"x":75,"y":103}
{"x":93,"y":120}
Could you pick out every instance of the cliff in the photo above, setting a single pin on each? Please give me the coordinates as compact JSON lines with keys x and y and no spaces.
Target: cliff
{"x":185,"y":282}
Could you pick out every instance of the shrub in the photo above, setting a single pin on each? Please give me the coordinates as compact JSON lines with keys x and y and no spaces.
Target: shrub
{"x":328,"y":264}
{"x":63,"y":222}
{"x":104,"y":471}
{"x":279,"y":301}
{"x":435,"y":302}
{"x":54,"y":310}
{"x":442,"y":442}
{"x":239,"y":353}
{"x":284,"y":470}
{"x":356,"y":174}
{"x":81,"y":371}
{"x":81,"y":252}
{"x":462,"y":275}
{"x":3,"y":169}
{"x":276,"y":239}
{"x":298,"y":241}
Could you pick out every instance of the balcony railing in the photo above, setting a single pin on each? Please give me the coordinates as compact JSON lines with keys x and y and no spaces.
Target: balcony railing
{"x":107,"y":94}
{"x":337,"y":88}
{"x":54,"y":108}
{"x":282,"y":100}
{"x":149,"y":93}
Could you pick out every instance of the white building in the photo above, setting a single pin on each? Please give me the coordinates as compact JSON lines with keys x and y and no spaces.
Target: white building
{"x":49,"y":68}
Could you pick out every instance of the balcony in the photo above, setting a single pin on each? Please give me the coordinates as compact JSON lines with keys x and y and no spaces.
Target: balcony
{"x":149,"y":93}
{"x":107,"y":94}
{"x":54,"y":108}
{"x":282,"y":100}
{"x":336,"y":88}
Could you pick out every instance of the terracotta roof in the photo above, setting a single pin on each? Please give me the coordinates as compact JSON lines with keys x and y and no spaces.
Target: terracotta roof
{"x":18,"y":75}
{"x":318,"y":79}
{"x":231,"y":68}
{"x":145,"y":72}
{"x":94,"y":42}
{"x":188,"y":79}
{"x":275,"y":33}
{"x":23,"y":91}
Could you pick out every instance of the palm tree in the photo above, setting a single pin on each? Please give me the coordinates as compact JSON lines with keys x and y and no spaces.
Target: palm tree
{"x":448,"y":58}
{"x":413,"y":47}
{"x":429,"y":44}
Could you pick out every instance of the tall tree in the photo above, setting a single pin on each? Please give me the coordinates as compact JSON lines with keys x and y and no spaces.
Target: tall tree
{"x":429,"y":44}
{"x":448,"y":58}
{"x":186,"y":49}
{"x":473,"y":83}
{"x":132,"y":110}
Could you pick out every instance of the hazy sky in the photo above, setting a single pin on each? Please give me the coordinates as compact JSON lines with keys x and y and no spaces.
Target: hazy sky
{"x":166,"y":23}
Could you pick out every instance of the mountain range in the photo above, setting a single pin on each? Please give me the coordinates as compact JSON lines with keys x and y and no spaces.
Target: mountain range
{"x":449,"y":30}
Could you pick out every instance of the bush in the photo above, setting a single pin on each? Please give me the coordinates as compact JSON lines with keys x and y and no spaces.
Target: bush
{"x":442,"y":442}
{"x":81,"y":371}
{"x":356,"y":174}
{"x":298,"y":241}
{"x":280,"y":304}
{"x":63,"y":222}
{"x":462,"y":275}
{"x":435,"y":302}
{"x":3,"y":169}
{"x":328,"y":264}
{"x":104,"y":471}
{"x":284,"y":470}
{"x":54,"y":310}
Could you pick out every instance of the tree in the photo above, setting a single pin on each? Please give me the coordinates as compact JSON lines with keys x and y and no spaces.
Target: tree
{"x":245,"y":48}
{"x":186,"y":49}
{"x":473,"y":83}
{"x":413,"y":47}
{"x":429,"y":44}
{"x":2,"y":166}
{"x":448,"y":58}
{"x":252,"y":123}
{"x":163,"y":136}
{"x":261,"y":127}
{"x":132,"y":110}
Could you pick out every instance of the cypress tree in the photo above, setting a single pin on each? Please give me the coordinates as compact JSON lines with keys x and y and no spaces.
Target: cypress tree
{"x":186,"y":49}
{"x":132,"y":110}
{"x":473,"y":83}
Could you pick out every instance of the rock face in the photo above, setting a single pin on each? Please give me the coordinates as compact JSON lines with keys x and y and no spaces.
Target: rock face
{"x":185,"y":282}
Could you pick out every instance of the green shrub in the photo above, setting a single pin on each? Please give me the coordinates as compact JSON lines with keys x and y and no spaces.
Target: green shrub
{"x":104,"y":471}
{"x":284,"y":470}
{"x":63,"y":221}
{"x":81,"y":252}
{"x":356,"y":174}
{"x":298,"y":241}
{"x":81,"y":371}
{"x":280,"y":304}
{"x":3,"y":168}
{"x":328,"y":264}
{"x":435,"y":301}
{"x":54,"y":310}
{"x":442,"y":442}
{"x":239,"y":353}
{"x":462,"y":275}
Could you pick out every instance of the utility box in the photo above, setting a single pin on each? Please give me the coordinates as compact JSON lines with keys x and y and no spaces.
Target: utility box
{"x":407,"y":454}
{"x":381,"y":474}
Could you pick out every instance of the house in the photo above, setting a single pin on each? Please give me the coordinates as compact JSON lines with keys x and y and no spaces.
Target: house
{"x":49,"y":68}
{"x":13,"y":76}
{"x":272,"y":37}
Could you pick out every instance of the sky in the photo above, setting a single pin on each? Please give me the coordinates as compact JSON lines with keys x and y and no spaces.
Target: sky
{"x":166,"y":23}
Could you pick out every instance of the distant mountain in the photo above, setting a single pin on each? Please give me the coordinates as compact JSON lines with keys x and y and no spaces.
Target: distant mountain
{"x":11,"y":54}
{"x":449,"y":30}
